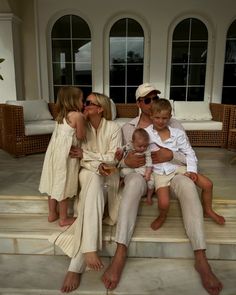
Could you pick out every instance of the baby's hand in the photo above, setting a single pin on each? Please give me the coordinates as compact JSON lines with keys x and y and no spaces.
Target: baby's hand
{"x":119,"y":154}
{"x":191,"y":175}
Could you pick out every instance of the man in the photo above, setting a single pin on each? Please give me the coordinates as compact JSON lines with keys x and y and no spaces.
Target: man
{"x":135,"y":187}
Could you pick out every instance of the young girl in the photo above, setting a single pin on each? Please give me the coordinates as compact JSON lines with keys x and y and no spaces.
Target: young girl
{"x":59,"y":178}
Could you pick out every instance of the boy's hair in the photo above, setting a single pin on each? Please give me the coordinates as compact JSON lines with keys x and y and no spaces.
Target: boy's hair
{"x":159,"y":105}
{"x":68,"y":100}
{"x":140,"y":132}
{"x":105,"y":103}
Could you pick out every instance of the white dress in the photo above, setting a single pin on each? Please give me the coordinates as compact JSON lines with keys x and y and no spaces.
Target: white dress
{"x":59,"y":178}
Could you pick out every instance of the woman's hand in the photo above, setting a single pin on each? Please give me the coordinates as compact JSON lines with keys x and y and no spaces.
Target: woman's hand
{"x":162,"y":155}
{"x":76,"y":152}
{"x":103,"y":169}
{"x":133,"y":160}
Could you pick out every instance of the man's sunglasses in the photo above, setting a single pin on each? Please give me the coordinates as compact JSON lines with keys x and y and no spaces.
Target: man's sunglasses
{"x":88,"y":103}
{"x":148,"y":100}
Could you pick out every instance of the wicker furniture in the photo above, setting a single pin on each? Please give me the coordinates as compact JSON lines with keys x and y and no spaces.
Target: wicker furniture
{"x":232,"y":128}
{"x":214,"y":138}
{"x":14,"y":140}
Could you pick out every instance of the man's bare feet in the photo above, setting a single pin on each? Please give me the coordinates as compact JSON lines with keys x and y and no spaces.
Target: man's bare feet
{"x":71,"y":282}
{"x":112,"y":274}
{"x":209,"y":281}
{"x":93,"y":261}
{"x":66,"y":221}
{"x":52,"y":216}
{"x":214,"y":216}
{"x":157,"y":223}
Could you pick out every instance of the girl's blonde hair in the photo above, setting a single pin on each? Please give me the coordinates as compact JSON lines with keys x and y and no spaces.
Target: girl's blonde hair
{"x":68,"y":100}
{"x":105,"y":103}
{"x":159,"y":105}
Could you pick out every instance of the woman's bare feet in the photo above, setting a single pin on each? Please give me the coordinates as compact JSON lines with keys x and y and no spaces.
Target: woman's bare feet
{"x":52,"y":216}
{"x":157,"y":223}
{"x":209,"y":281}
{"x":112,"y":274}
{"x":214,"y":216}
{"x":71,"y":282}
{"x":93,"y":261}
{"x":66,"y":221}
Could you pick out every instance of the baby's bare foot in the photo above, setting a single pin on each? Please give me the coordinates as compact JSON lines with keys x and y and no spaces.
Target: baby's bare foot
{"x":157,"y":223}
{"x":67,"y":221}
{"x":93,"y":261}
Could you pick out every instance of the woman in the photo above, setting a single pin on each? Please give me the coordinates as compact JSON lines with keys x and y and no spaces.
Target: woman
{"x":83,"y":238}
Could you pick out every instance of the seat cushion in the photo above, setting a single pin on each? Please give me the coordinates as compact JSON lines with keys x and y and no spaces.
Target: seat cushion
{"x":192,"y":110}
{"x":201,"y":125}
{"x":39,"y":127}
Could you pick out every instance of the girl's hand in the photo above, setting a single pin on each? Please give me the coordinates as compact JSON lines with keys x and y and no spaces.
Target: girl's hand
{"x":76,"y":152}
{"x":191,"y":175}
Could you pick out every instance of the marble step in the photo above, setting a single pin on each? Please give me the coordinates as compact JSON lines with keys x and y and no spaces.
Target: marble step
{"x":39,"y":205}
{"x":28,"y":234}
{"x":41,"y":275}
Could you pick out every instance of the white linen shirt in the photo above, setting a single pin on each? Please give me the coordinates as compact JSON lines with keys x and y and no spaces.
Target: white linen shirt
{"x":177,"y":142}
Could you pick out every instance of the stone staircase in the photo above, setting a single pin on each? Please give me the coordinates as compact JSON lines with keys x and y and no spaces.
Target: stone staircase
{"x":160,"y":262}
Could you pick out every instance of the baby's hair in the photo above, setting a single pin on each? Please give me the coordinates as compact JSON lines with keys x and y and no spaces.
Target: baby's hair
{"x":68,"y":100}
{"x":140,"y":132}
{"x":161,"y":104}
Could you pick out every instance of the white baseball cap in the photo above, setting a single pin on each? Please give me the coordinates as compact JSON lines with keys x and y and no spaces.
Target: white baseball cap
{"x":144,"y":89}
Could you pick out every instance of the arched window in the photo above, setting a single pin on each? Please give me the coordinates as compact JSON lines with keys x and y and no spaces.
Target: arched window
{"x":188,"y":61}
{"x":229,"y":82}
{"x":71,"y":54}
{"x":126,"y":42}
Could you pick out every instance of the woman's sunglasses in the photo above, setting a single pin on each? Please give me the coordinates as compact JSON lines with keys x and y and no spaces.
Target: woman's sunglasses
{"x":88,"y":103}
{"x":148,"y":100}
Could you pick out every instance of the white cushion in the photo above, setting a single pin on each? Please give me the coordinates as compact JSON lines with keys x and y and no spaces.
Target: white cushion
{"x":39,"y":127}
{"x":113,"y":109}
{"x":33,"y":109}
{"x":201,"y":125}
{"x":192,"y":110}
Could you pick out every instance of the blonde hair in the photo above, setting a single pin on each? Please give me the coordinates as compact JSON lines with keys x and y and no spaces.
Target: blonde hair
{"x":105,"y":103}
{"x":68,"y":100}
{"x":140,"y":132}
{"x":159,"y":105}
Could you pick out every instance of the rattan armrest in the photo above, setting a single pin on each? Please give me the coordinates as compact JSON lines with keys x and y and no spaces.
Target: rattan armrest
{"x":221,"y":113}
{"x":13,"y":120}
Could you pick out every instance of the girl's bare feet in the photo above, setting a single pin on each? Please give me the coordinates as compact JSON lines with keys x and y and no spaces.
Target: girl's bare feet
{"x":93,"y":261}
{"x":67,"y":221}
{"x":52,"y":216}
{"x":71,"y":282}
{"x":149,"y":201}
{"x":214,"y":216}
{"x":157,"y":223}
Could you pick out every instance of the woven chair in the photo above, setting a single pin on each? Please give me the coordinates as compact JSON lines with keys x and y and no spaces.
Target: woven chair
{"x":232,"y":129}
{"x":13,"y":139}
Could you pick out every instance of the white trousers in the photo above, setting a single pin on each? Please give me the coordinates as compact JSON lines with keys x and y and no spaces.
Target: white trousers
{"x":181,"y":188}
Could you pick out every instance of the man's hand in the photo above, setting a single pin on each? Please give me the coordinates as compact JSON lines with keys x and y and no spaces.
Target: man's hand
{"x":76,"y":152}
{"x":162,"y":155}
{"x":132,"y":160}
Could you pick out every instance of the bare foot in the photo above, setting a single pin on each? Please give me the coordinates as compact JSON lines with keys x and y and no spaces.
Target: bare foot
{"x":71,"y":282}
{"x":214,"y":216}
{"x":112,"y":274}
{"x":67,"y":221}
{"x":157,"y":223}
{"x":149,"y":201}
{"x":93,"y":261}
{"x":52,"y":216}
{"x":209,"y":281}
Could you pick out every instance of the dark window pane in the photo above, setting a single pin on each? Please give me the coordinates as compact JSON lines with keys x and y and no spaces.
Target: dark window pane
{"x":134,"y":74}
{"x":197,"y":74}
{"x":181,"y":31}
{"x":135,"y":50}
{"x":55,"y":90}
{"x":117,"y":94}
{"x":117,"y":75}
{"x":131,"y":94}
{"x":232,"y":30}
{"x":230,"y":54}
{"x":61,"y":28}
{"x":179,"y":75}
{"x":180,"y":52}
{"x":229,"y":75}
{"x":80,"y":29}
{"x":229,"y":95}
{"x":86,"y":90}
{"x":198,"y":52}
{"x":82,"y":74}
{"x":198,"y":30}
{"x":178,"y":93}
{"x":134,"y":29}
{"x":81,"y":51}
{"x":195,"y":94}
{"x":119,"y":29}
{"x":62,"y":74}
{"x":61,"y":51}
